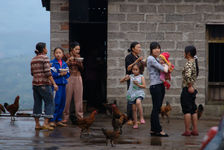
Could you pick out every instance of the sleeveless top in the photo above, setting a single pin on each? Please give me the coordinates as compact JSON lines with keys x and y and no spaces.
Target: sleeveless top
{"x":134,"y":91}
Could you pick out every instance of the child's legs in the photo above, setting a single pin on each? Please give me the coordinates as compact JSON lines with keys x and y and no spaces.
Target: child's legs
{"x":37,"y":107}
{"x":62,"y":103}
{"x":69,"y":93}
{"x":57,"y":102}
{"x":78,"y":90}
{"x":187,"y":122}
{"x":134,"y":112}
{"x":139,"y":106}
{"x":195,"y":122}
{"x":48,"y":101}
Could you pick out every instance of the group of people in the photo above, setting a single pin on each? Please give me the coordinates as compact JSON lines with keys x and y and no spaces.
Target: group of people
{"x":63,"y":76}
{"x":159,"y":68}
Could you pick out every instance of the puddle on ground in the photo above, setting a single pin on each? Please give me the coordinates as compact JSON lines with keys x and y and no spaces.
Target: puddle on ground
{"x":156,"y":141}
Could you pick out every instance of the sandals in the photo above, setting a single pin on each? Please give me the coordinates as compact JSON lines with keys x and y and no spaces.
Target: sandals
{"x":47,"y":127}
{"x":61,"y":124}
{"x":194,"y":133}
{"x":159,"y":134}
{"x":186,"y":133}
{"x":142,"y":121}
{"x":52,"y":124}
{"x":39,"y":128}
{"x":135,"y":126}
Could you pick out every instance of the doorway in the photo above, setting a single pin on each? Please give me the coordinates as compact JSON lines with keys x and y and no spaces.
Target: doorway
{"x":88,"y":26}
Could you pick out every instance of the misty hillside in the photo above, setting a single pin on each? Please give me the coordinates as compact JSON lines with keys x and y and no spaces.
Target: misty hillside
{"x":16,"y":80}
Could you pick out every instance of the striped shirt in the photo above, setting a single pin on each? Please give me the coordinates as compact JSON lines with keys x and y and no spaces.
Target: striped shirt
{"x":40,"y":70}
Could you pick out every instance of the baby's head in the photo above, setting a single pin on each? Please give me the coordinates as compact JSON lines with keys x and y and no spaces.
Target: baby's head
{"x":164,"y":58}
{"x":161,"y":61}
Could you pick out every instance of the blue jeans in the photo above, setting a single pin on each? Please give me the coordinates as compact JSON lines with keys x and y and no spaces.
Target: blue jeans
{"x":40,"y":93}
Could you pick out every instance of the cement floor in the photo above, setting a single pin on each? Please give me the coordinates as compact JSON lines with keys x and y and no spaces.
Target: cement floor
{"x":21,"y":135}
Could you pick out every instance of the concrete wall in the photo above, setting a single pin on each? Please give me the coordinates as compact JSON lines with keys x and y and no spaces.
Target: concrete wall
{"x":59,"y":13}
{"x":174,"y":24}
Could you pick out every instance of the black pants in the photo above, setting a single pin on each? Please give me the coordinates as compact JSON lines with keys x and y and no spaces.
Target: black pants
{"x":129,"y":106}
{"x":187,"y":101}
{"x":157,"y":92}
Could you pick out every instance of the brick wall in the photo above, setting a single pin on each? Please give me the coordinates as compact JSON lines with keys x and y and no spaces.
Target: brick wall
{"x":59,"y":24}
{"x":174,"y":24}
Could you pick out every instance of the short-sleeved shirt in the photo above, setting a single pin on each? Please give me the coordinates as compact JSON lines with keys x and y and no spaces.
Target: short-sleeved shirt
{"x":130,"y":59}
{"x":40,"y":70}
{"x":189,"y":73}
{"x":134,"y":91}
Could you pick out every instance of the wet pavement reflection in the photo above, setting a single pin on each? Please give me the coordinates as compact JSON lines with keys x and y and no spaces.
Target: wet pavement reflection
{"x":21,"y":134}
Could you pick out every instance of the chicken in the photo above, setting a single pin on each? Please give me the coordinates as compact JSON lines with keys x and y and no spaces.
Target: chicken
{"x":2,"y":109}
{"x":118,"y":123}
{"x":200,"y":110}
{"x":108,"y":106}
{"x":85,"y":123}
{"x":165,"y":111}
{"x":111,"y":135}
{"x":116,"y":112}
{"x":13,"y":108}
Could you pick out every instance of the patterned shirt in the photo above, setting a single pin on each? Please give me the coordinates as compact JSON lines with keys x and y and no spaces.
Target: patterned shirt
{"x":154,"y":68}
{"x":189,"y":73}
{"x":40,"y":70}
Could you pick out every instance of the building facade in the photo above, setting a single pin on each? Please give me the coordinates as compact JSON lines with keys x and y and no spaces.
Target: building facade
{"x":173,"y":23}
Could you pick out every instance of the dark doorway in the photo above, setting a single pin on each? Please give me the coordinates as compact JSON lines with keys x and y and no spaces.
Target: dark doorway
{"x":88,"y":26}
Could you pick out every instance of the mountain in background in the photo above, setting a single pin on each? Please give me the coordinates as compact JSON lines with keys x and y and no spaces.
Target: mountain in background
{"x":16,"y":80}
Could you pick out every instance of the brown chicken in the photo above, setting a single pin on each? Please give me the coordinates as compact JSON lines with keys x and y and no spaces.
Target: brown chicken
{"x":165,"y":111}
{"x":118,"y":123}
{"x":116,"y":112}
{"x":13,"y":108}
{"x":2,"y":109}
{"x":200,"y":110}
{"x":85,"y":123}
{"x":111,"y":135}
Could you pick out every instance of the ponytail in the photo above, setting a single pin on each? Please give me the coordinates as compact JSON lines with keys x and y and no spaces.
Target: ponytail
{"x":196,"y":62}
{"x":40,"y":47}
{"x":133,"y":44}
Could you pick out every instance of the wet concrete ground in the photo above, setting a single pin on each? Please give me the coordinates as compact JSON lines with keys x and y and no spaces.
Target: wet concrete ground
{"x":21,"y":135}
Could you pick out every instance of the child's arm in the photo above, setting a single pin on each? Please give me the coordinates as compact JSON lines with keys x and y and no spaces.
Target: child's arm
{"x":143,"y":85}
{"x":127,"y":77}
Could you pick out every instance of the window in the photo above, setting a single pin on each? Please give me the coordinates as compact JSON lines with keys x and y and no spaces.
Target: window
{"x":215,"y":38}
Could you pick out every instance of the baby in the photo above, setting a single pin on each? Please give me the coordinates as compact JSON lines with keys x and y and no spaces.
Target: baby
{"x":164,"y":60}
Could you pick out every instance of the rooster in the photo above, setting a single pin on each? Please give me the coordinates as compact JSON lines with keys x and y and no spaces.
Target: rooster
{"x":111,"y":135}
{"x":85,"y":123}
{"x":118,"y":123}
{"x":116,"y":112}
{"x":2,"y":109}
{"x":200,"y":110}
{"x":13,"y":108}
{"x":165,"y":111}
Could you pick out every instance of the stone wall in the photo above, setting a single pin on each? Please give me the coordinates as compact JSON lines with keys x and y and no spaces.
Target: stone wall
{"x":59,"y":13}
{"x":174,"y":24}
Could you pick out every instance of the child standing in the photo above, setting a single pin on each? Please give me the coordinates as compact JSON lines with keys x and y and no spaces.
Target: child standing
{"x":60,"y":73}
{"x":42,"y":81}
{"x":164,"y":60}
{"x":188,"y":95}
{"x":135,"y":93}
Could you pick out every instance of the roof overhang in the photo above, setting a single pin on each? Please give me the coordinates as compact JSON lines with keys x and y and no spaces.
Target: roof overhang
{"x":46,"y":4}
